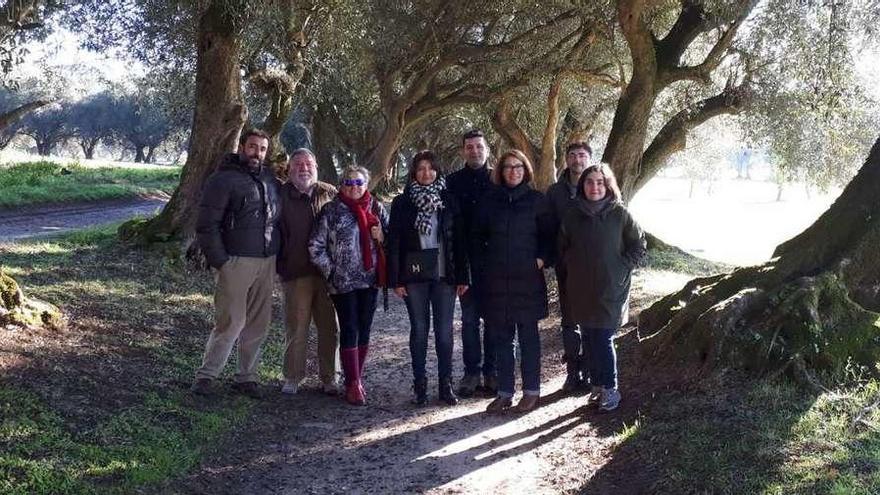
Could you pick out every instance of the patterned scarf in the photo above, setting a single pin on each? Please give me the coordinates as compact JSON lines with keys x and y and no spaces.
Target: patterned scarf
{"x":427,"y":201}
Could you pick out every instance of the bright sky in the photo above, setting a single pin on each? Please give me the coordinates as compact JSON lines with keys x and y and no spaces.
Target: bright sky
{"x":62,"y":50}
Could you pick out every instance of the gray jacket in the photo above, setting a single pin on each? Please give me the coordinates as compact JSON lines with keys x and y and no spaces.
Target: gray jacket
{"x":335,"y":249}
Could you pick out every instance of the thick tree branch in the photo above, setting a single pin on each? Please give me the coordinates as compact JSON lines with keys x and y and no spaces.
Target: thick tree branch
{"x":691,"y":22}
{"x":506,"y":125}
{"x":8,"y":118}
{"x":669,"y":71}
{"x":673,"y":136}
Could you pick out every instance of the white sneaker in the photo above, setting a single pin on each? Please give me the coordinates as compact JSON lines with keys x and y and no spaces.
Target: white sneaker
{"x":610,"y":399}
{"x":289,"y":388}
{"x":330,"y":388}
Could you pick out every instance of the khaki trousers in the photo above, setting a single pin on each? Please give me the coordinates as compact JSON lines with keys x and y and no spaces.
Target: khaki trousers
{"x":306,"y":298}
{"x":242,"y":311}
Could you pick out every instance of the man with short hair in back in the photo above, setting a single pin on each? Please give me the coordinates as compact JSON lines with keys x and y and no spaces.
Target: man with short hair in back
{"x":306,"y":295}
{"x":237,"y":230}
{"x":468,"y":185}
{"x":561,"y":196}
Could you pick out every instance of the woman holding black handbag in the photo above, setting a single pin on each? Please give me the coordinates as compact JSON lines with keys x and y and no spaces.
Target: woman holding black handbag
{"x":427,"y":267}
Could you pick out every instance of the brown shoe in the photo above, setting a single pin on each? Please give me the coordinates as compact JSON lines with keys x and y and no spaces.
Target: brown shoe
{"x":202,"y":386}
{"x":499,"y":405}
{"x":250,"y":389}
{"x":526,"y":404}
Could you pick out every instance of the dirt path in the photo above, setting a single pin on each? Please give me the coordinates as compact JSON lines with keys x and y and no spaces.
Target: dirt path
{"x":28,"y":222}
{"x":311,"y":443}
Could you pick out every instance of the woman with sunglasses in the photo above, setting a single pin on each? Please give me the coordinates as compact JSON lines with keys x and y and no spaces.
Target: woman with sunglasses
{"x":427,"y":266}
{"x":512,"y":232}
{"x":346,"y":246}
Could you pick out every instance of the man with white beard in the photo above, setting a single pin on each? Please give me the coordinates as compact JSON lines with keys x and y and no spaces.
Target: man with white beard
{"x":305,"y":291}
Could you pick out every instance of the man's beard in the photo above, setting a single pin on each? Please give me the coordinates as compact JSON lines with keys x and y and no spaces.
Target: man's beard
{"x":303,"y":184}
{"x":250,"y":162}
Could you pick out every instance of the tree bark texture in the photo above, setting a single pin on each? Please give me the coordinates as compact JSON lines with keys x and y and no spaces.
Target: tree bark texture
{"x":815,"y":305}
{"x":324,"y":142}
{"x":506,"y":125}
{"x":657,"y":64}
{"x":217,"y":121}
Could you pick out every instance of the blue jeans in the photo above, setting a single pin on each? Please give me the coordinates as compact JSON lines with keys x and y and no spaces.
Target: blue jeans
{"x":600,"y":356}
{"x":424,"y":300}
{"x":355,"y":312}
{"x":530,"y":354}
{"x":471,"y":352}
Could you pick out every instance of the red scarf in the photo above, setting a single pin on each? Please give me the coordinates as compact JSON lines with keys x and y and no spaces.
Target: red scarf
{"x":366,"y":219}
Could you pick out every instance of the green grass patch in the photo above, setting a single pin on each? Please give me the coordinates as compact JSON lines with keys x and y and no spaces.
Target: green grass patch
{"x":671,"y":258}
{"x":158,"y":439}
{"x":112,"y":413}
{"x":762,"y":438}
{"x":48,"y":182}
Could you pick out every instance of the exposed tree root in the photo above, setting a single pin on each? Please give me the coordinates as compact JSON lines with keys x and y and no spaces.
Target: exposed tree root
{"x":812,"y":310}
{"x":21,"y":311}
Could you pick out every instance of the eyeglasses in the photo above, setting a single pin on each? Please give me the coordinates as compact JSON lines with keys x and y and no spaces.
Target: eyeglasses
{"x":514,"y":167}
{"x":353,"y":182}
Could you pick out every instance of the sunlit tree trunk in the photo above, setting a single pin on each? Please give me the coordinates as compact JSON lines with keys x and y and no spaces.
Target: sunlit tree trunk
{"x":217,"y":121}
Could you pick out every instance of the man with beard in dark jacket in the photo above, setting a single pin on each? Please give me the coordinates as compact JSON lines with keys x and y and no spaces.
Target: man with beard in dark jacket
{"x":238,"y":233}
{"x":563,"y":195}
{"x":469,"y":185}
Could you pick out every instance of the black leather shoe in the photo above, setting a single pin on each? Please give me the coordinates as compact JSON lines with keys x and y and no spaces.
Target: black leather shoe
{"x":446,"y":393}
{"x":249,"y":389}
{"x":420,"y":387}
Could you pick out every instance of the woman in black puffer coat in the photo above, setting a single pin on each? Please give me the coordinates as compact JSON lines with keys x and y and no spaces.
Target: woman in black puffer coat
{"x":512,"y":233}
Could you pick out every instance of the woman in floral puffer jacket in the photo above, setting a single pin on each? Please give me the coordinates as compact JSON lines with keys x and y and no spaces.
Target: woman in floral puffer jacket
{"x":346,"y":246}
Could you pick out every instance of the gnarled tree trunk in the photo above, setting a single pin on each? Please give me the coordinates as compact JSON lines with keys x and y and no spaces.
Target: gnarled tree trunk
{"x":217,"y":121}
{"x":816,"y":305}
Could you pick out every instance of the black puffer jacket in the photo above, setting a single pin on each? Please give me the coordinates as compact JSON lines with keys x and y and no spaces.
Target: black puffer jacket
{"x":511,"y":230}
{"x":560,"y":197}
{"x":239,"y":213}
{"x":599,"y":252}
{"x":404,"y":238}
{"x":469,"y":186}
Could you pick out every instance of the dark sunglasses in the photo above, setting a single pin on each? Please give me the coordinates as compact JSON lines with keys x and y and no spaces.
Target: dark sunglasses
{"x":353,"y":182}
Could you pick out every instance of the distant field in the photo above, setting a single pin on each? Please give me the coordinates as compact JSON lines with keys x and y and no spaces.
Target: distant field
{"x":740,"y":223}
{"x":40,"y":182}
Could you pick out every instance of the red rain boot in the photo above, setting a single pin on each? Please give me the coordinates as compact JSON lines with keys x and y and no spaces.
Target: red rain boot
{"x":362,"y":359}
{"x":351,"y":368}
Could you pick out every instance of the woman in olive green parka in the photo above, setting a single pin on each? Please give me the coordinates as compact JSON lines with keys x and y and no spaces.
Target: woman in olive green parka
{"x":599,"y":244}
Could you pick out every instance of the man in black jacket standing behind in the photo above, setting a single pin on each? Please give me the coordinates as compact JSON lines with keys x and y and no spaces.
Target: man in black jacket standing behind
{"x":562,"y":195}
{"x":468,"y":185}
{"x":238,"y":232}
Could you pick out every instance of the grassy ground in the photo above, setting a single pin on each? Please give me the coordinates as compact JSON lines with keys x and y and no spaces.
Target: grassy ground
{"x":48,"y":182}
{"x":102,"y":407}
{"x":738,"y":436}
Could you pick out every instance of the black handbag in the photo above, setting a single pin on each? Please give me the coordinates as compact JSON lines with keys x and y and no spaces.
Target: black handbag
{"x":421,"y":266}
